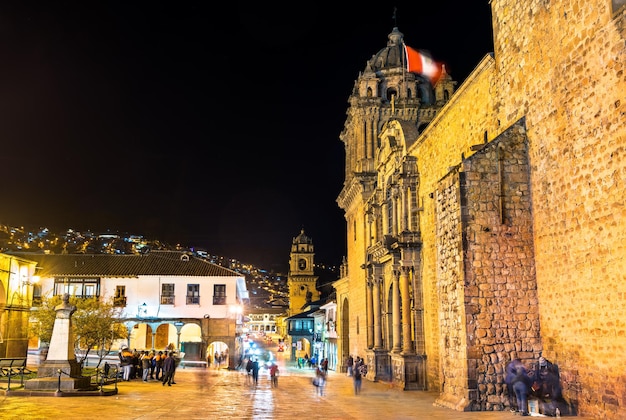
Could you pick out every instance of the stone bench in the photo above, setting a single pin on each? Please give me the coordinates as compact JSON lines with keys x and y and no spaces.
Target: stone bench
{"x":198,"y":363}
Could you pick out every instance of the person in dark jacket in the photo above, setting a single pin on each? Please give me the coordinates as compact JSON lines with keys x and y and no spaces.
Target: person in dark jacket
{"x":169,"y":365}
{"x":126,"y":360}
{"x":510,"y":372}
{"x":521,"y":386}
{"x":255,"y":371}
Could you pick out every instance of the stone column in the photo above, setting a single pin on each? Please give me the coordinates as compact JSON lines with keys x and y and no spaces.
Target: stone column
{"x":397,"y":338}
{"x":407,"y":346}
{"x":378,"y":338}
{"x":370,"y":314}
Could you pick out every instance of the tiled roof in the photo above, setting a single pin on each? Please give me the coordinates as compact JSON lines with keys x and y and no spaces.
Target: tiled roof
{"x":153,"y":263}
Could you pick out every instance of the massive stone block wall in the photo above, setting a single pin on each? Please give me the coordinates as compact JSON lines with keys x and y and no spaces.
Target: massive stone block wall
{"x":561,"y":65}
{"x":486,"y":273}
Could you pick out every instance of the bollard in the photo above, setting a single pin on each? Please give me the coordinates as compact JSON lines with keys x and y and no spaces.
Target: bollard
{"x":59,"y":382}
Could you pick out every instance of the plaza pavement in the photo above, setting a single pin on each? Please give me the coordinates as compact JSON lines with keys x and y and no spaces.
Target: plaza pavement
{"x":201,"y":393}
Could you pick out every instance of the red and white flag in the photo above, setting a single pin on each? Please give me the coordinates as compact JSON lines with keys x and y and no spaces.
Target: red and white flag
{"x":420,"y":62}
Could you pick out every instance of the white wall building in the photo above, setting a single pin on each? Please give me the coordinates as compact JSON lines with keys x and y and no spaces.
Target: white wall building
{"x":166,"y":297}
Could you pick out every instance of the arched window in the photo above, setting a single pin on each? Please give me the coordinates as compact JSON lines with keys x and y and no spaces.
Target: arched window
{"x":369,"y":92}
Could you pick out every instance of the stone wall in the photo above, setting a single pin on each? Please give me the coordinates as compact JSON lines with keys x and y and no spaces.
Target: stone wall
{"x":461,"y":124}
{"x":489,"y":312}
{"x":549,"y":274}
{"x":561,"y":64}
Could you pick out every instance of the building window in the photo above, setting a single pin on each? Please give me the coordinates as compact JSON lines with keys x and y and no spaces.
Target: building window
{"x":77,"y":287}
{"x":219,"y":294}
{"x":193,"y":294}
{"x":167,"y":294}
{"x":120,"y":296}
{"x":36,"y":295}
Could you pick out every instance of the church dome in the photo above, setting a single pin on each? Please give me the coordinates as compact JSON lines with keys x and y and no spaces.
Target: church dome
{"x":390,"y":57}
{"x":302,"y":239}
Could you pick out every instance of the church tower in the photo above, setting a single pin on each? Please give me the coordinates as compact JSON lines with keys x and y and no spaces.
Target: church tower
{"x":301,"y":279}
{"x":380,"y":296}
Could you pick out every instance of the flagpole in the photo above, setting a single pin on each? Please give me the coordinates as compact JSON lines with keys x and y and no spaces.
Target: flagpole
{"x":404,"y":69}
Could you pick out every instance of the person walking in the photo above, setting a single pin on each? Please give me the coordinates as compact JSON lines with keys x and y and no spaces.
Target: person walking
{"x":249,"y":371}
{"x":510,"y":372}
{"x":255,"y":371}
{"x":357,"y":379}
{"x":521,"y":385}
{"x":350,"y":364}
{"x":320,"y":376}
{"x":169,"y":364}
{"x":274,"y":375}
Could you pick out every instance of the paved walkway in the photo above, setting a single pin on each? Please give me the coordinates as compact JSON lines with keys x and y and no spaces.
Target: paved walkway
{"x":201,"y":393}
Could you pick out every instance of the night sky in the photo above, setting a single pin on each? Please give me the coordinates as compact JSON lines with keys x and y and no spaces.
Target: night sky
{"x":210,"y":127}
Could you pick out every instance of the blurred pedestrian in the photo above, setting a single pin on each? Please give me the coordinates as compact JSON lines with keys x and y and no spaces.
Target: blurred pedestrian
{"x":521,"y":385}
{"x":357,"y":379}
{"x":320,"y":375}
{"x":510,"y":372}
{"x":274,"y":374}
{"x":169,"y":365}
{"x":350,"y":364}
{"x":255,"y":371}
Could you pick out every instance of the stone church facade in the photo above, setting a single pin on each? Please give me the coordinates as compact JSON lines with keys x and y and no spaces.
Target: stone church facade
{"x":488,"y":222}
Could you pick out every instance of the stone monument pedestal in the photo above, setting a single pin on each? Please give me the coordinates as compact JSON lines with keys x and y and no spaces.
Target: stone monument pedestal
{"x":48,"y":377}
{"x":60,"y":371}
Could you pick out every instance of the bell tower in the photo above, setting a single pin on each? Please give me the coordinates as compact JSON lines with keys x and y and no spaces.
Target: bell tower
{"x":301,"y":279}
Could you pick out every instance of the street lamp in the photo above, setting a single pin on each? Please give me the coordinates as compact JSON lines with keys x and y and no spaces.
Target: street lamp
{"x":142,"y":310}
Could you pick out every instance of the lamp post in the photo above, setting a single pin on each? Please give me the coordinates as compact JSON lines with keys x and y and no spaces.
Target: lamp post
{"x":142,"y":310}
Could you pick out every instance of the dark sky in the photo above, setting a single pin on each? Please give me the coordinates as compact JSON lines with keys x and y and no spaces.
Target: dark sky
{"x":203,"y":126}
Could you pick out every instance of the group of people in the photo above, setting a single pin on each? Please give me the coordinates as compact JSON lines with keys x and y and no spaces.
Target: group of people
{"x":146,"y":365}
{"x":542,"y":383}
{"x":218,"y":359}
{"x":252,"y":371}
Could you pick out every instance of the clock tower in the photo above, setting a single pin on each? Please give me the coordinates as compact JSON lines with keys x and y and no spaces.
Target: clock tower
{"x":301,"y":280}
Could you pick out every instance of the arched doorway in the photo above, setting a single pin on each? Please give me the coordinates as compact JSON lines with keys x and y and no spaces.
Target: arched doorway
{"x":191,"y":342}
{"x":219,"y":354}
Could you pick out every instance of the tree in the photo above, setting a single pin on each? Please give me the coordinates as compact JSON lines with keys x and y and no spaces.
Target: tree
{"x":96,"y":325}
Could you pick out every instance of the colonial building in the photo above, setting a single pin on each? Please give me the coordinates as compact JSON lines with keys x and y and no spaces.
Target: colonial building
{"x":302,"y":281}
{"x":265,"y":321}
{"x":303,"y":296}
{"x":17,"y":279}
{"x":165,"y":297}
{"x":488,"y":223}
